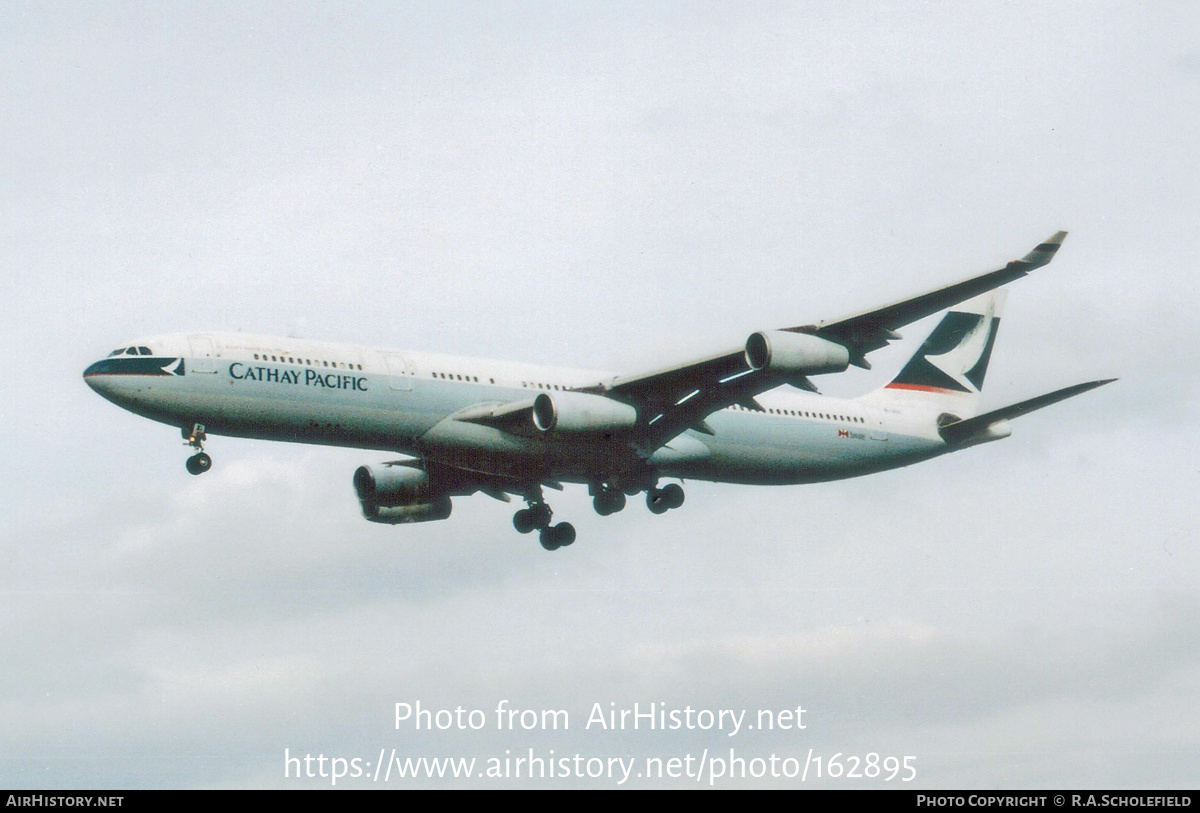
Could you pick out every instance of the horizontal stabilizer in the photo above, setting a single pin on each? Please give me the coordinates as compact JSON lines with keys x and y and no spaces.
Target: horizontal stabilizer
{"x":962,"y":431}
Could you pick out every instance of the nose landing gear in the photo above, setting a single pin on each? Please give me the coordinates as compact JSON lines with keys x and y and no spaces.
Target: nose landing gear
{"x":198,"y":463}
{"x":195,"y":437}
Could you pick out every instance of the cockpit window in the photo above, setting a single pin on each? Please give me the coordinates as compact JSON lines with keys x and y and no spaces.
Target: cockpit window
{"x":116,"y":352}
{"x":144,"y":351}
{"x":131,"y":351}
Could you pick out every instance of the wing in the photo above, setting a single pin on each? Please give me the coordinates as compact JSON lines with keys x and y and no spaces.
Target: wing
{"x":873,"y":329}
{"x":680,"y":397}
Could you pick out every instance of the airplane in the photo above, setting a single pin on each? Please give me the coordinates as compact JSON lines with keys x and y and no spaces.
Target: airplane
{"x":750,"y":415}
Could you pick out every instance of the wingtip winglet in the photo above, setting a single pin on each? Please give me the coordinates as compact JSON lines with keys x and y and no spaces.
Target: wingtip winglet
{"x":1045,"y":251}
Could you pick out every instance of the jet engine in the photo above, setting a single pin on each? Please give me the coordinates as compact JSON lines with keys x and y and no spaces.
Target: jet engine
{"x":399,"y":494}
{"x":780,"y":351}
{"x":581,"y":413}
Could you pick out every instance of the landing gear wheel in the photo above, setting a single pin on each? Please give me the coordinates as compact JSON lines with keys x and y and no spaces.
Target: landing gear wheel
{"x":608,"y":502}
{"x":565,"y":532}
{"x":199,"y":463}
{"x":557,"y":536}
{"x":533,"y":518}
{"x":661,"y":500}
{"x":523,"y":521}
{"x":673,"y":494}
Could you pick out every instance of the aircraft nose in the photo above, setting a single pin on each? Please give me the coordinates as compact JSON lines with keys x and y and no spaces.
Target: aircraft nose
{"x":93,"y":376}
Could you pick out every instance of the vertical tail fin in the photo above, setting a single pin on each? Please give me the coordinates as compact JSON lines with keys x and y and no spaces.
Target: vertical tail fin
{"x":947,"y":371}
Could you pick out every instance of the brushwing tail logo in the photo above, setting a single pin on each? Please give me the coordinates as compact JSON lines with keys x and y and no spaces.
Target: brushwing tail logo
{"x":955,"y":356}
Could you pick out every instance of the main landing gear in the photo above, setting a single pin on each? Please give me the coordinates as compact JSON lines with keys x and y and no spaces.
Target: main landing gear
{"x":195,"y":437}
{"x":606,"y":499}
{"x":537,"y":517}
{"x":662,"y":500}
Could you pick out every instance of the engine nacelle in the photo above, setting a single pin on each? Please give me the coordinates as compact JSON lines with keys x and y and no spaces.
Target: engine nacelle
{"x":581,"y":413}
{"x":779,"y":351}
{"x":398,"y":494}
{"x":391,"y":485}
{"x":401,"y":514}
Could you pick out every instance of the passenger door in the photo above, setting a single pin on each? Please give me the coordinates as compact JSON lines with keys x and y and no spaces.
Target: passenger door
{"x":400,"y":371}
{"x":204,"y":355}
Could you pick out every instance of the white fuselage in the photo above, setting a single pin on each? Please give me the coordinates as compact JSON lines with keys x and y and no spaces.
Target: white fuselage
{"x":303,"y":391}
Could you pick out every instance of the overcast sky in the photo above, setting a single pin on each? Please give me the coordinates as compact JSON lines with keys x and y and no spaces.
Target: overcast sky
{"x":608,"y":185}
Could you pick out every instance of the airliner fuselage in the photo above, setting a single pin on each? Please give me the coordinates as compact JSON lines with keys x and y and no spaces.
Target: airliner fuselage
{"x":273,"y":388}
